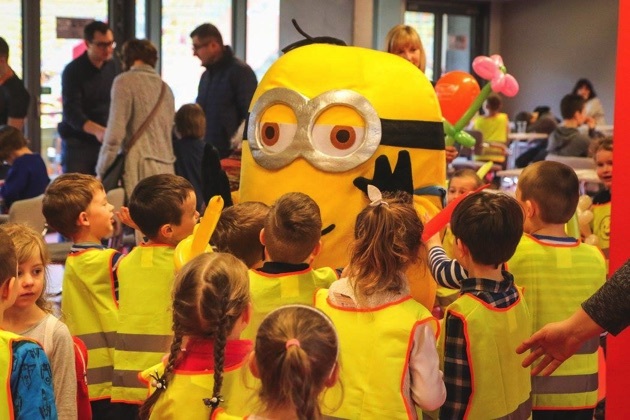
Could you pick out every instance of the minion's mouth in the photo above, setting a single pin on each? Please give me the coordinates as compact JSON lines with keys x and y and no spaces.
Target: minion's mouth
{"x":328,"y":229}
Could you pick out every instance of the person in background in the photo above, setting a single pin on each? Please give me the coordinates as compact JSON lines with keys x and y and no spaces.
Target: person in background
{"x":593,"y":109}
{"x":566,"y":139}
{"x":135,"y":94}
{"x":27,"y":176}
{"x":14,"y":98}
{"x":226,"y":87}
{"x":541,"y":120}
{"x":188,"y":146}
{"x":85,"y":91}
{"x":495,"y":125}
{"x":603,"y":155}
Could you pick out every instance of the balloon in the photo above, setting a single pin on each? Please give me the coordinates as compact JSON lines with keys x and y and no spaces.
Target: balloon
{"x":456,"y":91}
{"x":584,"y":202}
{"x":197,"y":243}
{"x":585,"y":217}
{"x":592,"y":240}
{"x":483,"y":171}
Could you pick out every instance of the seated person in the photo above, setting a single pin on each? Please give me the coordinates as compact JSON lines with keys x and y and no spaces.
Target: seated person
{"x":567,"y":140}
{"x":28,"y":176}
{"x":495,"y":125}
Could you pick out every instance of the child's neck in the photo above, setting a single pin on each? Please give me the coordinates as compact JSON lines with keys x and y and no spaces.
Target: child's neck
{"x":547,"y":230}
{"x":571,"y":123}
{"x":18,"y":320}
{"x":481,"y":271}
{"x":287,"y":413}
{"x":85,"y":236}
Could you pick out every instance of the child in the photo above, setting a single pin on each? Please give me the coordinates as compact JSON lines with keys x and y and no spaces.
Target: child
{"x":210,"y":309}
{"x":462,"y":182}
{"x":558,"y":273}
{"x":163,"y":208}
{"x":372,"y":302}
{"x":30,"y":316}
{"x":195,"y":159}
{"x":238,"y":232}
{"x":25,"y":371}
{"x":495,"y":125}
{"x":482,"y":373}
{"x":291,"y":238}
{"x":566,"y":139}
{"x":76,"y":206}
{"x":603,"y":155}
{"x":27,"y":177}
{"x":296,"y":359}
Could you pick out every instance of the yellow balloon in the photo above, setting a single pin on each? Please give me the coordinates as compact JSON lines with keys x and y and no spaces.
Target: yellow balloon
{"x":197,"y":243}
{"x":483,"y":171}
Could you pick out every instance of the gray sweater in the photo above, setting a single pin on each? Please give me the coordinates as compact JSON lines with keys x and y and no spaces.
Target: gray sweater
{"x":568,"y":141}
{"x":134,"y":94}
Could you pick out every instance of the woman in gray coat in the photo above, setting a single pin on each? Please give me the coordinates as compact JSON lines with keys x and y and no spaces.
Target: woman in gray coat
{"x":134,"y":95}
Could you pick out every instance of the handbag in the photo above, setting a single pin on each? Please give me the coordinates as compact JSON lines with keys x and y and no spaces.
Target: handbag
{"x":113,"y":176}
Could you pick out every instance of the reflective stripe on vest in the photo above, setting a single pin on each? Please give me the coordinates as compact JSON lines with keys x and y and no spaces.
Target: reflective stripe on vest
{"x":501,"y":388}
{"x":270,"y":291}
{"x":91,"y":313}
{"x":557,"y":279}
{"x":186,"y":390}
{"x":146,"y":278}
{"x":374,"y":355}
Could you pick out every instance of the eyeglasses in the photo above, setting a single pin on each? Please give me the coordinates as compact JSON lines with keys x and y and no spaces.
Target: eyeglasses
{"x":196,"y":48}
{"x":104,"y":45}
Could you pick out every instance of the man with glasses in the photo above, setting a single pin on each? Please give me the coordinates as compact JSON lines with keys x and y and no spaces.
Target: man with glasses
{"x":225,"y":89}
{"x":86,"y":84}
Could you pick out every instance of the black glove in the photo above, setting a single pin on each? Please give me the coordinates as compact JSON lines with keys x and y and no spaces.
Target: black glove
{"x":386,"y":180}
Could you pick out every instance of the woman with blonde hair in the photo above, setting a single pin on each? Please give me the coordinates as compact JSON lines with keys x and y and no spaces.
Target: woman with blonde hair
{"x":404,"y":41}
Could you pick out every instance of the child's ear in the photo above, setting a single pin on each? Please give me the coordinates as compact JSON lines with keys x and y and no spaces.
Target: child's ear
{"x":261,"y":236}
{"x":253,"y":366}
{"x":333,"y":377}
{"x":83,"y":219}
{"x":317,"y":249}
{"x":166,"y":231}
{"x":5,"y":290}
{"x":531,"y":208}
{"x":463,"y":249}
{"x":246,"y":316}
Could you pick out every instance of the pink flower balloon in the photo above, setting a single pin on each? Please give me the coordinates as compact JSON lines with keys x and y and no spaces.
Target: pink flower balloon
{"x":492,"y":68}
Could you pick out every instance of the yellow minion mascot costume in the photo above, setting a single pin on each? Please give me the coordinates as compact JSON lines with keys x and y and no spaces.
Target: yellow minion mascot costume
{"x":326,"y":120}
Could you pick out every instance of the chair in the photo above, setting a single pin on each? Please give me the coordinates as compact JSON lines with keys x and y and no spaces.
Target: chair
{"x":29,"y":212}
{"x":574,"y":161}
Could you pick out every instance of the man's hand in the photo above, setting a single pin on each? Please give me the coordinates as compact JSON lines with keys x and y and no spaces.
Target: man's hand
{"x":95,"y":129}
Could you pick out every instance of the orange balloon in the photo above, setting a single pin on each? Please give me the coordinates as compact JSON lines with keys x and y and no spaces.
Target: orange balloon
{"x":456,"y":91}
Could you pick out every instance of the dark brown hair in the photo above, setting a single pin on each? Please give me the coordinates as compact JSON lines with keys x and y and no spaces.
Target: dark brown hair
{"x":554,"y":187}
{"x":238,"y":231}
{"x":8,"y":258}
{"x":493,"y":102}
{"x":157,"y":200}
{"x":190,"y":121}
{"x":602,"y":143}
{"x":293,"y":228}
{"x":207,"y":31}
{"x":11,"y":139}
{"x":210,"y":293}
{"x":139,"y":49}
{"x":490,"y":225}
{"x":65,"y":198}
{"x":295,"y":375}
{"x":570,"y":104}
{"x":387,"y":239}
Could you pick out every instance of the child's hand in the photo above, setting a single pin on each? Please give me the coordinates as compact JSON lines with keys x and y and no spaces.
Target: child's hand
{"x":125,"y":217}
{"x":434,"y":241}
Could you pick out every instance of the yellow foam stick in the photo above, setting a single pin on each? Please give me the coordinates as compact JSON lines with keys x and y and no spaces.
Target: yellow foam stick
{"x":197,"y":243}
{"x":483,"y":171}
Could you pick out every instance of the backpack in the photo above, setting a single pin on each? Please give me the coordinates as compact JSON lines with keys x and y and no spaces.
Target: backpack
{"x":84,"y":409}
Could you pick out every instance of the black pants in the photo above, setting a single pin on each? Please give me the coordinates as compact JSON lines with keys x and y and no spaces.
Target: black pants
{"x":79,"y":155}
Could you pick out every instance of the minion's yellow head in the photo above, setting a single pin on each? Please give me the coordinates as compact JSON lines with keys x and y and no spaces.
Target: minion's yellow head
{"x":319,"y":119}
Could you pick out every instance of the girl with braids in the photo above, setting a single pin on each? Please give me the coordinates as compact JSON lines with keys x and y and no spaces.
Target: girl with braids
{"x":296,"y":359}
{"x":388,"y":340}
{"x":211,"y":307}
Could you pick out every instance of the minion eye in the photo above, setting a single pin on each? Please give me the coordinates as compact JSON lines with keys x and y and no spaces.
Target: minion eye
{"x":276,"y":137}
{"x":337,"y":140}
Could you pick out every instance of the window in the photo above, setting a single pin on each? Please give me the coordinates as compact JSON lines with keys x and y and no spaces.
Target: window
{"x":263,"y":34}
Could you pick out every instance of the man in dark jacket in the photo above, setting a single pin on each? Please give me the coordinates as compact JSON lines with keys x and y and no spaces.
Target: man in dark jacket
{"x":226,"y":87}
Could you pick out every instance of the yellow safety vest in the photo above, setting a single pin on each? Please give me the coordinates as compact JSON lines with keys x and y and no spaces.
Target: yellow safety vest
{"x":556,"y":279}
{"x":6,"y":365}
{"x":375,"y":345}
{"x":270,"y":291}
{"x":500,"y":386}
{"x":91,"y":313}
{"x":186,"y":391}
{"x":145,"y":279}
{"x":220,"y":414}
{"x":601,"y":226}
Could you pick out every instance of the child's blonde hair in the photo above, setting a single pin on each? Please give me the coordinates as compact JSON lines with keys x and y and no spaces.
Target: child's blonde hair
{"x":209,"y":295}
{"x":387,"y":240}
{"x":401,"y":35}
{"x":296,"y":352}
{"x":29,"y":243}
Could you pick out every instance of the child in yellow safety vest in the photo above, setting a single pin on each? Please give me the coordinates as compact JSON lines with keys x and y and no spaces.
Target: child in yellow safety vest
{"x":76,"y":206}
{"x":210,"y":308}
{"x":24,"y":369}
{"x":31,"y":316}
{"x":292,"y":239}
{"x":482,"y":373}
{"x":163,"y":207}
{"x":558,"y":273}
{"x":296,"y":360}
{"x":380,"y":326}
{"x":603,"y":155}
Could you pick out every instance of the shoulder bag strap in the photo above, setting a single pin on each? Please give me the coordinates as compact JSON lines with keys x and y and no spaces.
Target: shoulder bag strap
{"x":146,"y":122}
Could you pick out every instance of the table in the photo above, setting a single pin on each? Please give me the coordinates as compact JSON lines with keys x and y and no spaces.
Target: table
{"x":605,"y":129}
{"x":516,"y":139}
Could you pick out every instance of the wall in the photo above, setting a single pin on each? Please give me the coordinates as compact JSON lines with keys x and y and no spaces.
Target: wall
{"x":549,"y":44}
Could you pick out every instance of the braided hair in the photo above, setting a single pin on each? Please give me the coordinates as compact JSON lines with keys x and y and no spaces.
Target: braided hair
{"x":210,"y":293}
